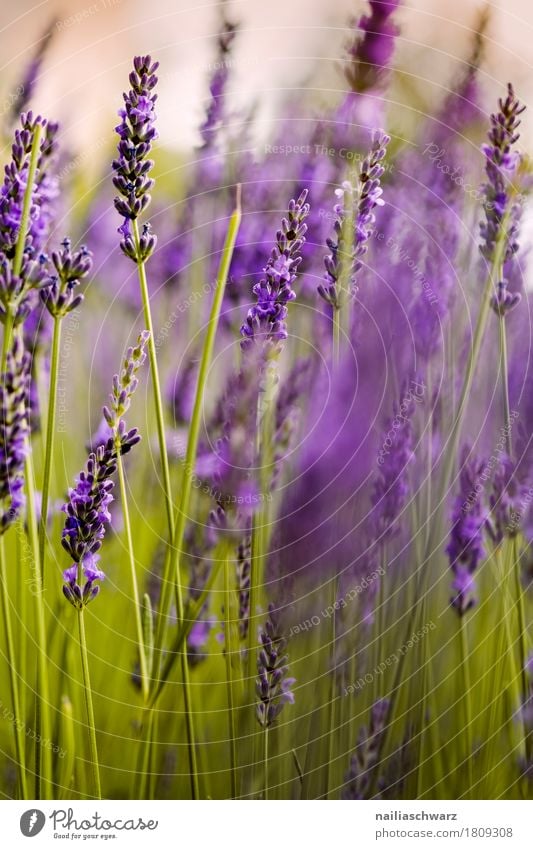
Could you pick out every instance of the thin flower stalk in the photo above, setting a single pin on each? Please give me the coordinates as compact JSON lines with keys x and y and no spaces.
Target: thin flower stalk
{"x":136,"y":133}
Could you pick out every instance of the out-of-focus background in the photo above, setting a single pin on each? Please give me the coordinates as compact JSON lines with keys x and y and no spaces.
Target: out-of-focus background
{"x":283,"y":45}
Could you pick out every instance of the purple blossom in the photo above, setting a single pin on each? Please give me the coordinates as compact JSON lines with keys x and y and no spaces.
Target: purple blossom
{"x":136,"y":132}
{"x":87,"y":508}
{"x":363,"y":763}
{"x":60,"y":296}
{"x":357,"y":207}
{"x":466,"y":548}
{"x":273,"y":686}
{"x":14,"y":432}
{"x":265,"y":322}
{"x":396,"y":453}
{"x":501,"y":212}
{"x":370,"y":53}
{"x":508,"y":501}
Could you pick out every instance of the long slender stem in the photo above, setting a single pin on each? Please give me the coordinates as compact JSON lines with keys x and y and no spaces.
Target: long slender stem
{"x":465,"y":666}
{"x":50,"y":433}
{"x":479,"y":333}
{"x":229,"y":591}
{"x":505,"y":384}
{"x":265,"y":762}
{"x":11,"y":660}
{"x":42,"y":753}
{"x":152,"y":354}
{"x":174,"y":573}
{"x":89,"y":704}
{"x":145,"y":684}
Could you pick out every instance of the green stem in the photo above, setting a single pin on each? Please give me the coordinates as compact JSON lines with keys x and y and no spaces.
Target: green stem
{"x":152,"y":354}
{"x":11,"y":660}
{"x":265,"y":761}
{"x":260,"y":521}
{"x":522,"y":625}
{"x":174,"y":573}
{"x":465,"y":666}
{"x":26,"y":206}
{"x":479,"y":333}
{"x":8,"y":330}
{"x":50,"y":433}
{"x":228,"y":627}
{"x":43,"y":770}
{"x":145,"y":684}
{"x":89,"y":704}
{"x":505,"y":384}
{"x":336,"y":336}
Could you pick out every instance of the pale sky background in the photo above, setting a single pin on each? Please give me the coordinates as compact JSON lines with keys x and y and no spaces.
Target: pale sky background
{"x":279,"y":44}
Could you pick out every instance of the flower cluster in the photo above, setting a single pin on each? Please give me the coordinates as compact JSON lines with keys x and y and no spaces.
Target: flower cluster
{"x":355,"y":206}
{"x":501,"y":213}
{"x":370,"y":53}
{"x":465,"y":548}
{"x":14,"y":430}
{"x":87,"y":509}
{"x":358,"y":779}
{"x":59,"y":296}
{"x":265,"y":322}
{"x":136,"y":132}
{"x":125,"y":384}
{"x":18,"y":284}
{"x":88,"y":514}
{"x":273,"y":687}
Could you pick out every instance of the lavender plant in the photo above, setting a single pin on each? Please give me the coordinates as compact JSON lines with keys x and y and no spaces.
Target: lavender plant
{"x":321,"y":492}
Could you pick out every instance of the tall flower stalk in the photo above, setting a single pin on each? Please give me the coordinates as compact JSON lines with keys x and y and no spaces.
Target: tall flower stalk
{"x":499,"y":244}
{"x":14,"y":429}
{"x":124,"y":385}
{"x":502,"y":219}
{"x":263,"y":334}
{"x":22,"y":272}
{"x":273,"y":684}
{"x":87,"y":515}
{"x":137,"y":132}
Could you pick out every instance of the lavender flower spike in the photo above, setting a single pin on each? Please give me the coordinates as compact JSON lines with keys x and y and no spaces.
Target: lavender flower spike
{"x":14,"y":430}
{"x":465,"y":548}
{"x":358,"y":205}
{"x":273,"y":687}
{"x":88,"y":506}
{"x":125,"y":384}
{"x":137,"y":132}
{"x":363,"y":762}
{"x":60,"y":296}
{"x":370,"y":54}
{"x":500,"y":211}
{"x":265,"y":322}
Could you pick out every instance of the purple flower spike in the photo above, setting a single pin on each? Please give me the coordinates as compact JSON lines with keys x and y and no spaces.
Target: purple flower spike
{"x":125,"y":384}
{"x":265,"y":322}
{"x":465,"y":548}
{"x":363,"y":763}
{"x":500,"y":212}
{"x":359,"y":205}
{"x":273,"y":686}
{"x":370,"y":54}
{"x":60,"y":296}
{"x":136,"y":132}
{"x":14,"y":430}
{"x":87,"y":509}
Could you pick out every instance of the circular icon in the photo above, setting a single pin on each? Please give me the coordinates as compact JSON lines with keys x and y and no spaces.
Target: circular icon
{"x":32,"y":822}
